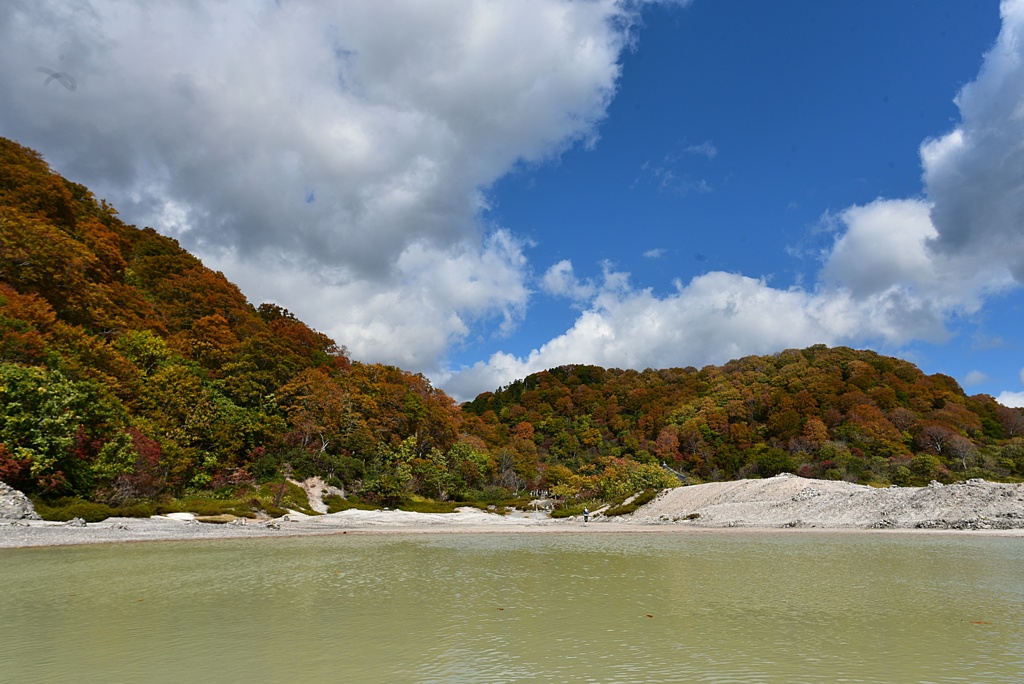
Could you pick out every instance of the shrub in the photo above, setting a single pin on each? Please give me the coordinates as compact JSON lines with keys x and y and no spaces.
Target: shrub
{"x":276,"y":497}
{"x":68,"y":508}
{"x":568,"y":511}
{"x":143,"y":509}
{"x":428,"y":506}
{"x":642,"y":498}
{"x":337,"y":503}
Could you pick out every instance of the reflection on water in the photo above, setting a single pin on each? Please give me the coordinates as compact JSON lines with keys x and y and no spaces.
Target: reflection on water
{"x":503,"y":608}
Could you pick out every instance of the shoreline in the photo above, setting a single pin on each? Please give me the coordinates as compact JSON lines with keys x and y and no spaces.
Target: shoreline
{"x":43,"y":534}
{"x":781,"y":504}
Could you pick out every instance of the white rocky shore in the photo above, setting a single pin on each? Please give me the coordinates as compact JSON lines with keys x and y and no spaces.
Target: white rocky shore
{"x":788,"y":501}
{"x":783,"y":502}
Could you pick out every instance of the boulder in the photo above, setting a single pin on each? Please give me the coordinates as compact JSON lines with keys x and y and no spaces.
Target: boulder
{"x":15,"y":506}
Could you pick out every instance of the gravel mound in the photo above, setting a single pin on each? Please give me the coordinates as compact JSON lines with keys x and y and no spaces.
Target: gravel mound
{"x":791,"y":501}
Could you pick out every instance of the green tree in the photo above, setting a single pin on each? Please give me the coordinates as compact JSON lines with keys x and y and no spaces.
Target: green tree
{"x":43,"y":418}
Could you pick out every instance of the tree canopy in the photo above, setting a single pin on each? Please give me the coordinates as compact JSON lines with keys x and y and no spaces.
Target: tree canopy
{"x":129,"y":370}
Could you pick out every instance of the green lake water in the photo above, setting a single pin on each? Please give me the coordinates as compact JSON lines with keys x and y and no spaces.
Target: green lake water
{"x":519,"y":607}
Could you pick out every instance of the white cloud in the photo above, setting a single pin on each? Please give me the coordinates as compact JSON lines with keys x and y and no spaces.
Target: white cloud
{"x":883,"y":246}
{"x":331,"y":156}
{"x":715,"y":317}
{"x":706,"y":149}
{"x":1011,"y":399}
{"x":975,"y":377}
{"x":897,"y":271}
{"x":665,"y":176}
{"x":975,"y":174}
{"x":655,"y":253}
{"x":561,"y":281}
{"x":438,"y":295}
{"x":334,"y":157}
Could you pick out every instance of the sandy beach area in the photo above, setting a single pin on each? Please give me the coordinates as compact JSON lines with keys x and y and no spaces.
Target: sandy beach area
{"x":784,"y":503}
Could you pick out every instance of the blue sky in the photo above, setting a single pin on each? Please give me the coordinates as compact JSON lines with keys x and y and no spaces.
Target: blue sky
{"x":735,"y":127}
{"x":477,"y":190}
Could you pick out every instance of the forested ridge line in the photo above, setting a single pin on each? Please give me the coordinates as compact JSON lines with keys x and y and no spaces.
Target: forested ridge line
{"x":131,"y":372}
{"x":831,"y":413}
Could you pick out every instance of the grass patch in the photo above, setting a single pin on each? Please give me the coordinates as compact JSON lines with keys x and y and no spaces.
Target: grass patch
{"x":415,"y":504}
{"x":568,"y":511}
{"x":275,"y":498}
{"x":336,"y":503}
{"x":428,"y":506}
{"x":484,"y":506}
{"x":65,"y":509}
{"x":204,"y":507}
{"x":522,"y":503}
{"x":91,"y":511}
{"x":216,"y":519}
{"x":642,"y":498}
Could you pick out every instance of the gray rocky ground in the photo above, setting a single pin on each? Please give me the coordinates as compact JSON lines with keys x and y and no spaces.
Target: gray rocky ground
{"x":790,"y":501}
{"x":784,"y":502}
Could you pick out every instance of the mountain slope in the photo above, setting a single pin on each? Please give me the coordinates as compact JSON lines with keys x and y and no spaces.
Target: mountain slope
{"x":128,"y":369}
{"x":827,"y":413}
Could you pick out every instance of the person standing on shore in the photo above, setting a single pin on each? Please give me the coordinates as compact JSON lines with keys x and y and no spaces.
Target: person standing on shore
{"x":586,"y":515}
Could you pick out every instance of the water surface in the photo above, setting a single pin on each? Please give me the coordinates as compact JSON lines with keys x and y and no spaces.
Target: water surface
{"x":503,"y":608}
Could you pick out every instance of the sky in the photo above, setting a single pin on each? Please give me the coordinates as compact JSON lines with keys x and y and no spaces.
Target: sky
{"x":481,"y":189}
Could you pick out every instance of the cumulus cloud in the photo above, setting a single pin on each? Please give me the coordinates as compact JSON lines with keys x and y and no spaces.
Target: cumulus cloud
{"x":898,"y":270}
{"x":975,"y":173}
{"x":975,"y":377}
{"x":715,"y":317}
{"x":561,"y":281}
{"x":433,"y":299}
{"x":335,"y":158}
{"x":337,"y":152}
{"x":1011,"y":399}
{"x":882,"y":245}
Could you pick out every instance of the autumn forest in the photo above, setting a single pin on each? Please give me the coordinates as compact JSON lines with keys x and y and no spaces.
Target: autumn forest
{"x":131,"y":372}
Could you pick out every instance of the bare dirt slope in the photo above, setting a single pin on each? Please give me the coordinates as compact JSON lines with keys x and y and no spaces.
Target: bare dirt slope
{"x":791,"y":501}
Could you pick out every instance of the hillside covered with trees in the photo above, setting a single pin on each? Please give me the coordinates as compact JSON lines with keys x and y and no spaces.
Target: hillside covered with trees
{"x":819,"y":412}
{"x":129,"y":371}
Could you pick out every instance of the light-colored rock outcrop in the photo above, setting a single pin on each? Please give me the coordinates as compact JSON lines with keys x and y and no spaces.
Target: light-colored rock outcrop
{"x":14,"y":505}
{"x":790,"y":501}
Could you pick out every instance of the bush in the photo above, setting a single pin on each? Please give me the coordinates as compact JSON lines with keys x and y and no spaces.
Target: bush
{"x":428,"y":506}
{"x":276,"y":497}
{"x":770,"y":461}
{"x":568,"y":511}
{"x":336,"y":504}
{"x":642,"y":498}
{"x":927,"y":467}
{"x":68,"y":508}
{"x":142,"y":509}
{"x":203,"y":506}
{"x":491,"y":495}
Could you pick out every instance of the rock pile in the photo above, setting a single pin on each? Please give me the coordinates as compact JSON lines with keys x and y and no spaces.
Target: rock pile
{"x":14,"y":505}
